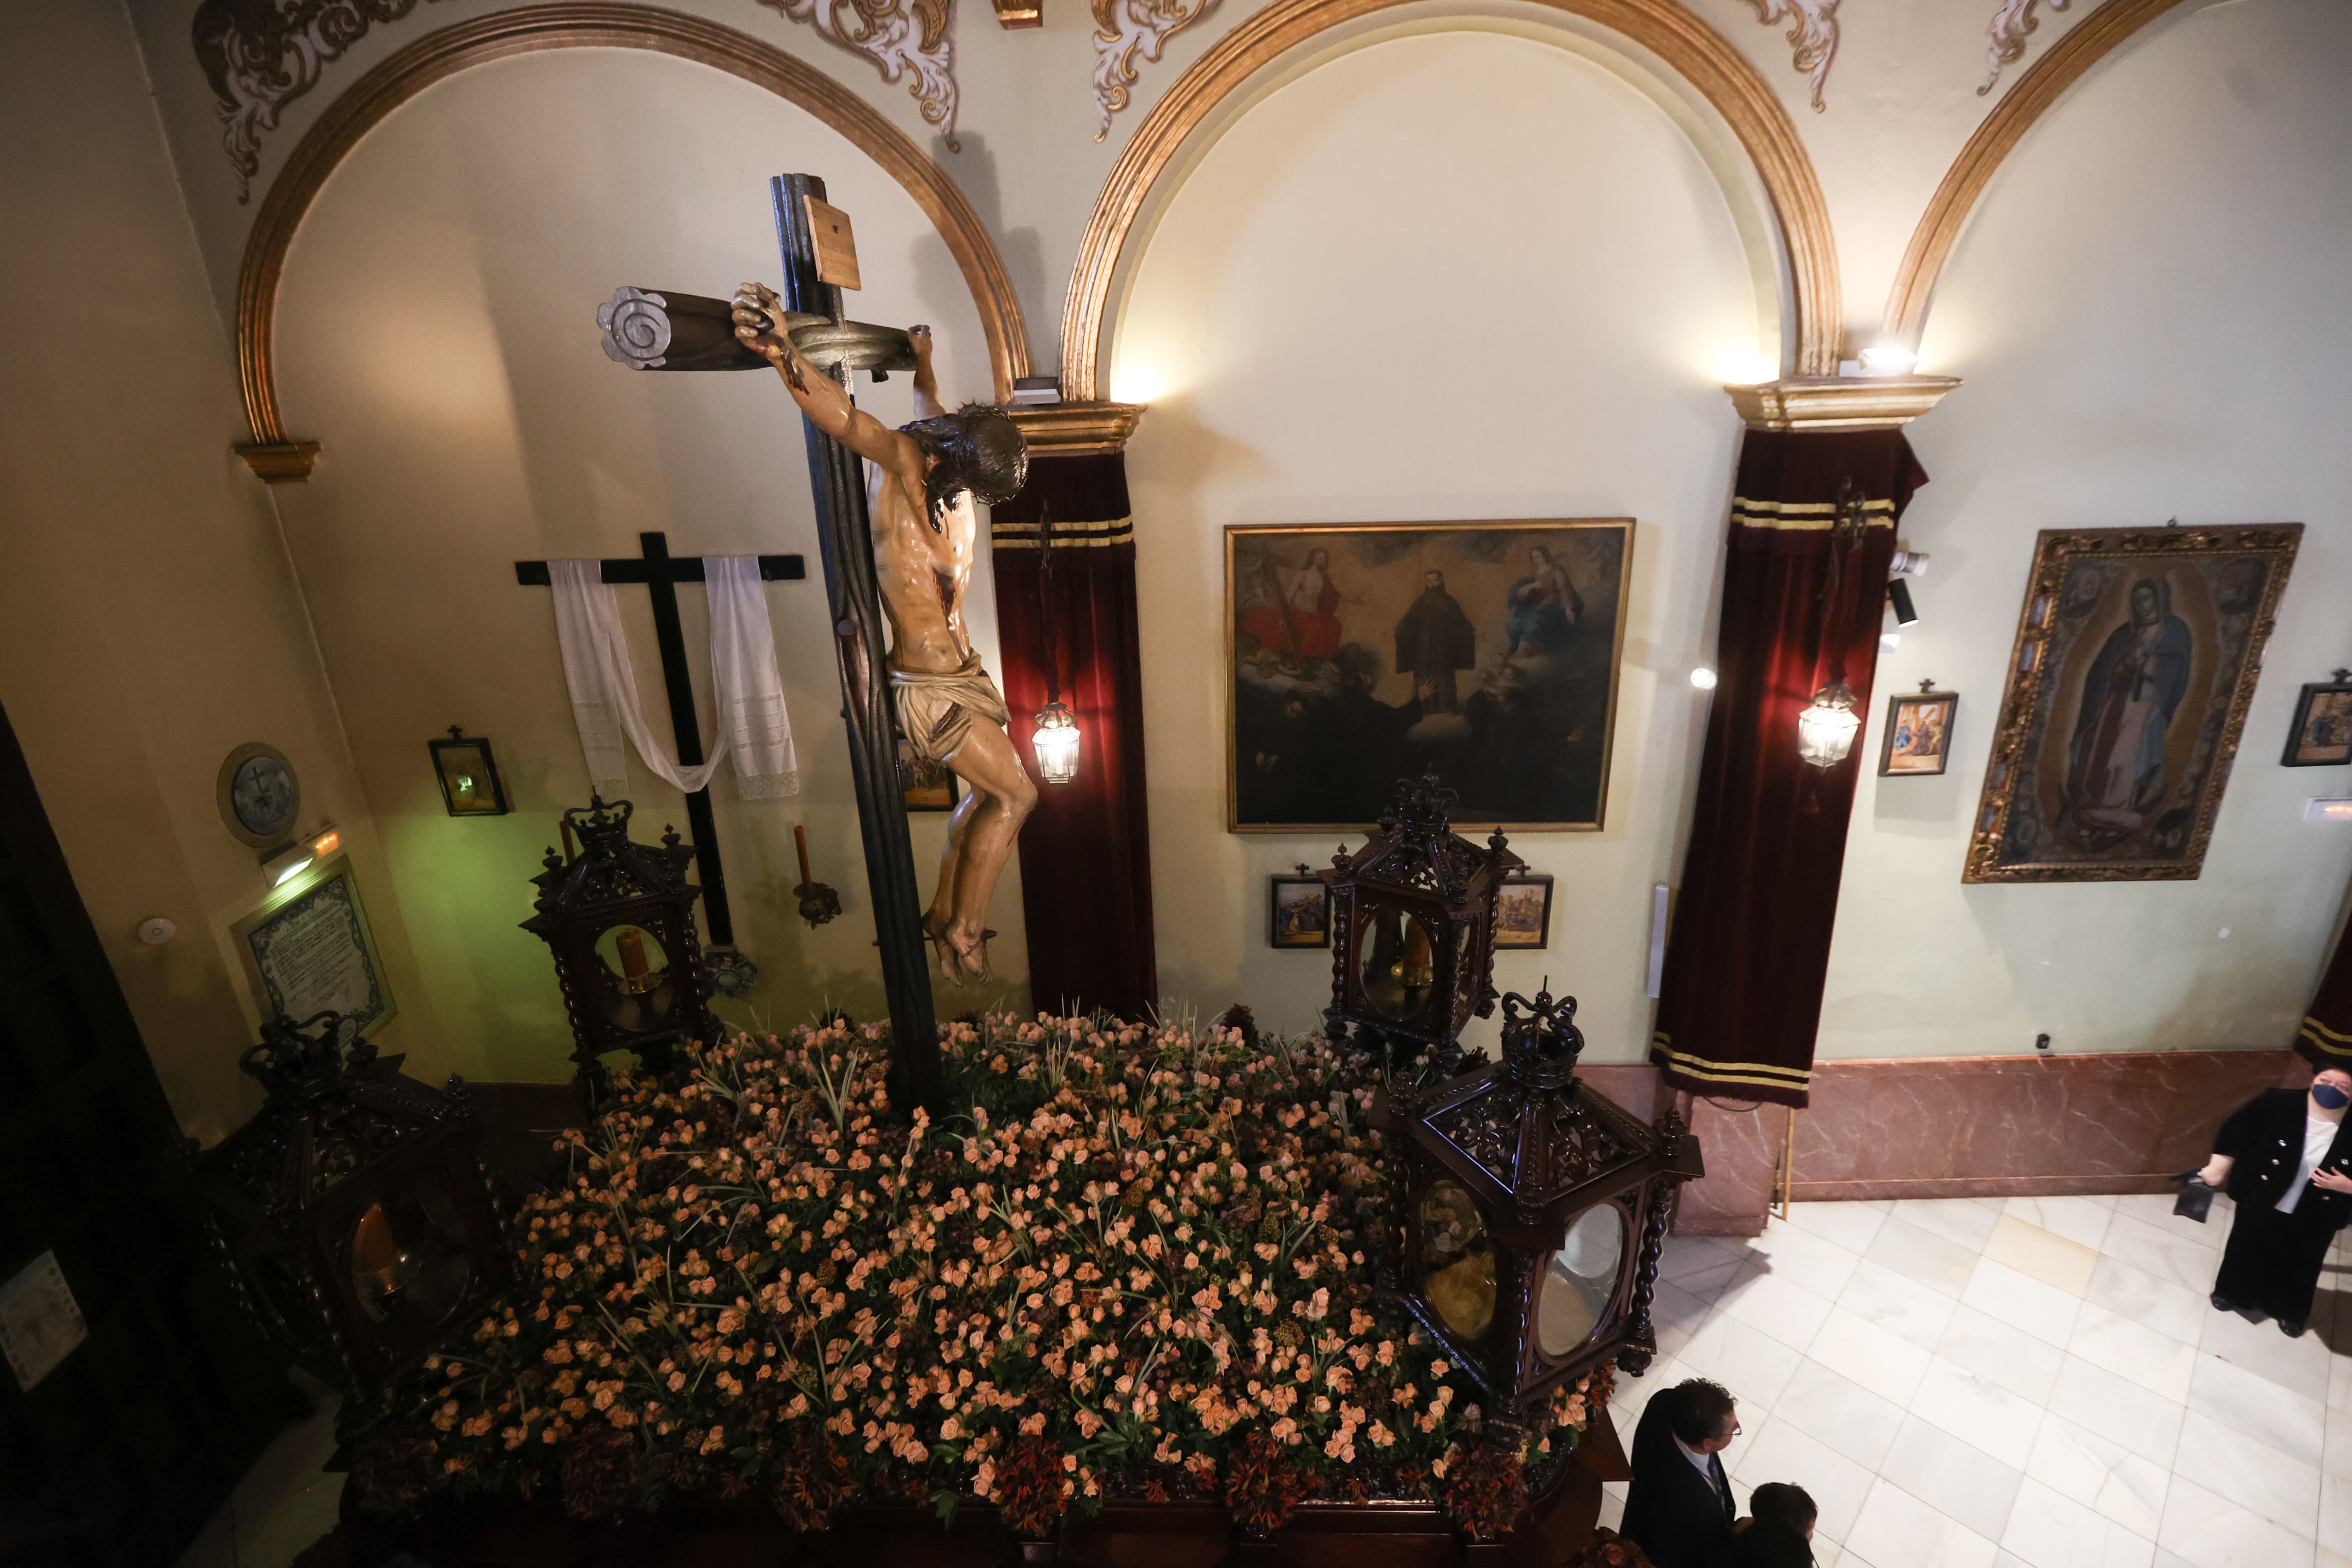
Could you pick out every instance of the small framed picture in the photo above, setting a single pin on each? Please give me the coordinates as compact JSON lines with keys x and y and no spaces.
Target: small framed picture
{"x":1523,"y":910}
{"x":1918,"y":731}
{"x":926,"y":786}
{"x":1299,"y":912}
{"x":2322,"y":736}
{"x":470,"y":786}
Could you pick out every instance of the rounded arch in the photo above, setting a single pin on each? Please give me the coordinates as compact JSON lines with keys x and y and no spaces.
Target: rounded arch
{"x":587,"y":24}
{"x":1209,"y":94}
{"x":1949,"y":210}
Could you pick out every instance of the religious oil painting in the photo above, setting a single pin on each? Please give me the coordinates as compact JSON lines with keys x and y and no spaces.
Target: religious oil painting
{"x":1918,"y":732}
{"x":2322,"y":736}
{"x":2135,"y":663}
{"x":1523,"y":912}
{"x":1360,"y":654}
{"x":1299,"y":912}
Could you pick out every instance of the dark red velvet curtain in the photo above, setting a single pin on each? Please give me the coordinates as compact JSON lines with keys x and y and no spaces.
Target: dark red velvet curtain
{"x":1064,"y":561}
{"x":1742,"y":997}
{"x":2326,"y":1038}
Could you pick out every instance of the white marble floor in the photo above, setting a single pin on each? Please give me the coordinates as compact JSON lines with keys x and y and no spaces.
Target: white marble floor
{"x":2035,"y":1382}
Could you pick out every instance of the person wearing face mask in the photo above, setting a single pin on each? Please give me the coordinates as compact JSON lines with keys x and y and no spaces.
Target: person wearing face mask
{"x":2281,"y":1157}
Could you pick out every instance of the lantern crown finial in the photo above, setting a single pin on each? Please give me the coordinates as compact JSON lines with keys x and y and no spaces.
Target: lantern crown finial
{"x":1540,"y":1039}
{"x":603,"y":829}
{"x":301,"y":1061}
{"x":1421,"y":808}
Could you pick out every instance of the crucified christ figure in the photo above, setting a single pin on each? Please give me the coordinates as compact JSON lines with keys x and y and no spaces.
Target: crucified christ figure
{"x":923,"y":480}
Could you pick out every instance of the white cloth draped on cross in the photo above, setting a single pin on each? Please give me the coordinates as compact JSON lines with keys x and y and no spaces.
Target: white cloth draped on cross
{"x":752,"y":725}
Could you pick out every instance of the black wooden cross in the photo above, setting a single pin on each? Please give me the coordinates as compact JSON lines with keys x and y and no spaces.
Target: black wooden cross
{"x":668,"y":329}
{"x":661,"y":572}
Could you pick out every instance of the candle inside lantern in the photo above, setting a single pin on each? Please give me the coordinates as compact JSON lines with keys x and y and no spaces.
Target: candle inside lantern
{"x":632,"y":945}
{"x":377,"y":1266}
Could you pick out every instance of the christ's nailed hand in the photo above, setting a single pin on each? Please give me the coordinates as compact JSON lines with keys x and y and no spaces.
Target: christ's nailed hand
{"x":759,"y":320}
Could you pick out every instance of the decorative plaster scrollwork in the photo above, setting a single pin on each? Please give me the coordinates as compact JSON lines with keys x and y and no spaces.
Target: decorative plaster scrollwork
{"x":260,"y":56}
{"x":901,"y":38}
{"x":2005,"y":40}
{"x":1124,"y":28}
{"x":1813,"y":32}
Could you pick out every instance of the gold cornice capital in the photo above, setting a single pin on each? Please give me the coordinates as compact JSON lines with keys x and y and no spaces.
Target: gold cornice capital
{"x":1075,"y":429}
{"x":279,"y":462}
{"x":1839,"y":401}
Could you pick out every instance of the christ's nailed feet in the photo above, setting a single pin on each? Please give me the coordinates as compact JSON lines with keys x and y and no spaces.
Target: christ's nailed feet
{"x":963,"y":955}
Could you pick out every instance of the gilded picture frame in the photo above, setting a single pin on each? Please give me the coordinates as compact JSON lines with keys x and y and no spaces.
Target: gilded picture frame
{"x":1360,"y":654}
{"x":2135,"y":663}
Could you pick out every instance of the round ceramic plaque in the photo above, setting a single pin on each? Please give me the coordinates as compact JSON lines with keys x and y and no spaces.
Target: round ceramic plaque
{"x":259,"y":795}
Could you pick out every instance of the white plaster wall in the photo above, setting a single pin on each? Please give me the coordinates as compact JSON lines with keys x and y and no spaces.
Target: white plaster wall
{"x":1356,"y":311}
{"x":2148,"y":312}
{"x":439,"y":336}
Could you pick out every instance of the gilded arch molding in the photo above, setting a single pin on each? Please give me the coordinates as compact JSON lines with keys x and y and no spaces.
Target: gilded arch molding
{"x":2091,"y":39}
{"x":573,"y":25}
{"x":1718,"y":72}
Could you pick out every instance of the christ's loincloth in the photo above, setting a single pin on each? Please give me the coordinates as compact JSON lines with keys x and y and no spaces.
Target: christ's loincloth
{"x":937,"y":706}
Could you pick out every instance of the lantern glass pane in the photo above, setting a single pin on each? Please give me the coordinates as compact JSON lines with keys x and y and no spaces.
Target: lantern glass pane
{"x":636,"y":966}
{"x":1398,"y":960}
{"x":1580,"y":1283}
{"x":409,"y":1265}
{"x":1456,"y":1268}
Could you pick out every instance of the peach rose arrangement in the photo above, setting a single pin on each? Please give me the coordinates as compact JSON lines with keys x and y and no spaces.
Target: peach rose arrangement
{"x":1134,"y":1264}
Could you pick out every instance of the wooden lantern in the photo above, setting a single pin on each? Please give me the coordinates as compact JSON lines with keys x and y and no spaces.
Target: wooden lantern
{"x":357,"y":1213}
{"x":1412,"y":926}
{"x":1533,"y":1208}
{"x":620,"y":921}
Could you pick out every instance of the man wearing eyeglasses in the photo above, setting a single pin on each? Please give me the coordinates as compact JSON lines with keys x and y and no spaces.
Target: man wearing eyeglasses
{"x":1679,"y":1509}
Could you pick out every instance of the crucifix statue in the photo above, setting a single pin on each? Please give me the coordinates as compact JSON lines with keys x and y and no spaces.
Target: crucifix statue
{"x":911,"y":562}
{"x":924,"y":478}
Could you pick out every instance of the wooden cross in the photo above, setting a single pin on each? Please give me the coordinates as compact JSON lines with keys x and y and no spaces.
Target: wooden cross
{"x":662,"y":330}
{"x":661,"y":572}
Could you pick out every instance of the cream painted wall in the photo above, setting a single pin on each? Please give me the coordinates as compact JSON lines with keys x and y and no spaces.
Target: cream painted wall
{"x":438,"y":332}
{"x":148,"y":620}
{"x":1356,"y":311}
{"x":2149,"y":314}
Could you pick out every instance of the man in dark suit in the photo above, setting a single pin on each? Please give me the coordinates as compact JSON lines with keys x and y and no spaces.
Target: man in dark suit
{"x":1679,"y":1507}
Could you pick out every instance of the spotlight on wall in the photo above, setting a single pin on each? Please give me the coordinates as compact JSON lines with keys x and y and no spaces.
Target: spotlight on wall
{"x":1888,"y":359}
{"x":292,"y":861}
{"x":1703,"y":677}
{"x":1907,"y":564}
{"x":1898,"y":595}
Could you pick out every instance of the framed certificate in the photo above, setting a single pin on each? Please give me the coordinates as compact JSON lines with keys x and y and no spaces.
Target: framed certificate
{"x":312,"y":953}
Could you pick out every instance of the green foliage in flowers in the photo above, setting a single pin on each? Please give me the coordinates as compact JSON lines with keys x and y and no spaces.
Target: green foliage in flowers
{"x":1135,"y":1265}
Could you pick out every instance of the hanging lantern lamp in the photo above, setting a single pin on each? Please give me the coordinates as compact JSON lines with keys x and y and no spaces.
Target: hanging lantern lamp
{"x":1826,"y":729}
{"x":1057,"y":741}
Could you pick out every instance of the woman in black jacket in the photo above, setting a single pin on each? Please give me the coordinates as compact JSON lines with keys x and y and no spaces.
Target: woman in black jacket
{"x":2281,"y":1156}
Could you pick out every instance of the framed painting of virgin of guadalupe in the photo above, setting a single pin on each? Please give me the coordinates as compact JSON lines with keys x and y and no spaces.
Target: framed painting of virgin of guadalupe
{"x":1360,"y":654}
{"x":2134,"y":666}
